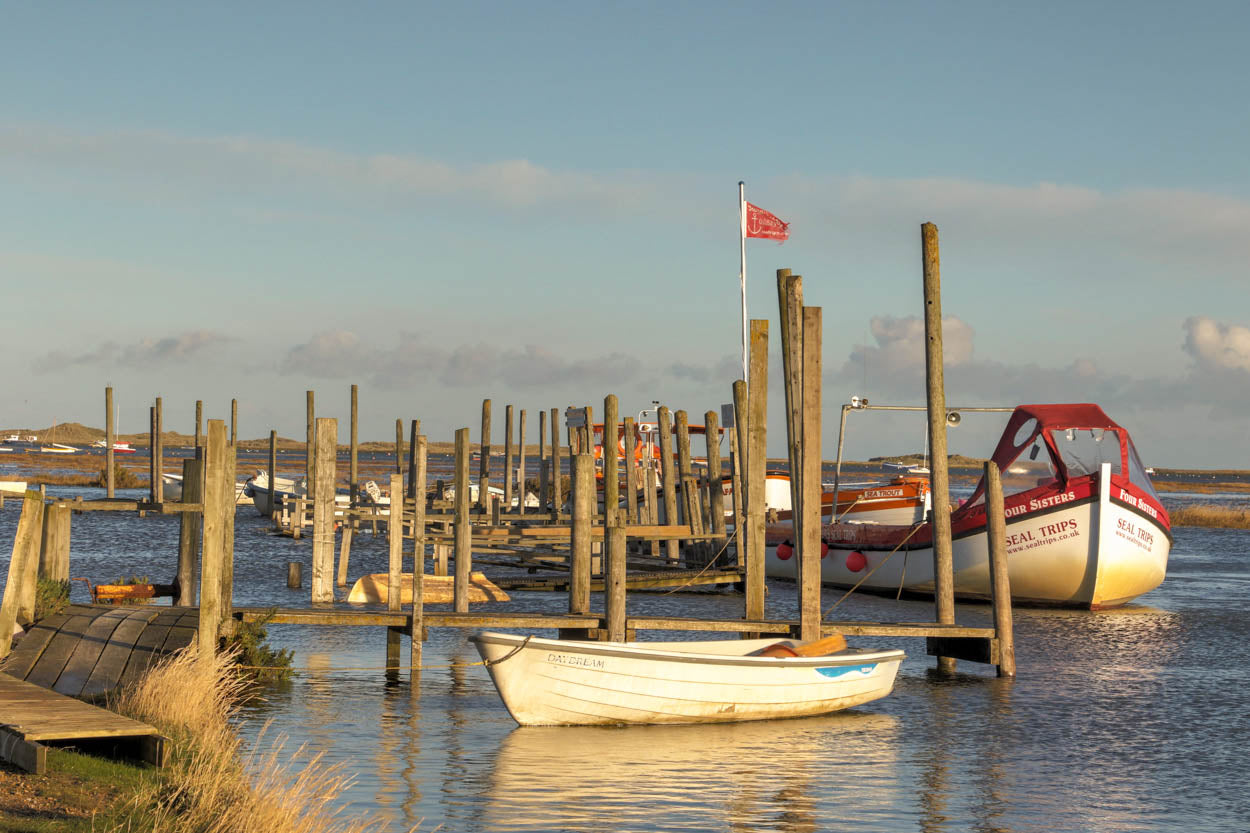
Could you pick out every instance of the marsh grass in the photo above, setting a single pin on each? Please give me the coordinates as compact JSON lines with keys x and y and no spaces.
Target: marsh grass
{"x":1226,"y":517}
{"x":215,"y":785}
{"x":51,"y":597}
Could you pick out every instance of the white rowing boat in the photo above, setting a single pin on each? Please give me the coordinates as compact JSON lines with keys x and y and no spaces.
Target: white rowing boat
{"x":558,"y":682}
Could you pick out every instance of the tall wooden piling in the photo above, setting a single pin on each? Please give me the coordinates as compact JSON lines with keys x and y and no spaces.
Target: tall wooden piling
{"x":543,"y":464}
{"x":810,"y":460}
{"x":715,"y":492}
{"x":483,"y":476}
{"x":614,"y":581}
{"x":611,"y":464}
{"x":110,"y":436}
{"x":326,"y":443}
{"x":557,"y":498}
{"x":310,"y":443}
{"x":413,"y":433}
{"x":520,"y":463}
{"x":346,"y":535}
{"x":630,"y":442}
{"x":399,"y":447}
{"x":353,"y":475}
{"x":54,"y":548}
{"x":199,"y":423}
{"x":939,"y":479}
{"x":668,"y":478}
{"x":508,"y":452}
{"x":417,"y":625}
{"x":757,"y":403}
{"x":158,"y":457}
{"x":19,"y":588}
{"x":273,"y":473}
{"x":583,"y":488}
{"x":190,"y":529}
{"x":737,"y":469}
{"x":1000,"y":584}
{"x":463,"y":530}
{"x":218,"y":496}
{"x":234,"y":421}
{"x":691,"y":512}
{"x":395,"y":559}
{"x":790,"y":307}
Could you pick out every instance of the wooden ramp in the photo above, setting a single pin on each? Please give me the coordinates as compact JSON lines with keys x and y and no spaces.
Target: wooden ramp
{"x":31,"y":715}
{"x":88,"y":651}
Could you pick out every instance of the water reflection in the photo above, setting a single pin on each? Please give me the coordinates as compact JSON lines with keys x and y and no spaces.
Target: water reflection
{"x":744,"y":776}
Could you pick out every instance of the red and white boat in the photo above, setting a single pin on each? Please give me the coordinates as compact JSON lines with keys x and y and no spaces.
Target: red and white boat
{"x":118,"y":446}
{"x":1085,"y":527}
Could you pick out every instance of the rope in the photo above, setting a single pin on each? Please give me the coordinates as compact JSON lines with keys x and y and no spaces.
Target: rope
{"x":868,"y":574}
{"x":706,"y":567}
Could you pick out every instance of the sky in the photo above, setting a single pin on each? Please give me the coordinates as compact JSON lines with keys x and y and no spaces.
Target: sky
{"x":536,"y":203}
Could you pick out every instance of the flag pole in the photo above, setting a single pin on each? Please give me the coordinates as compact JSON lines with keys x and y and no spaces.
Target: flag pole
{"x":742,"y":269}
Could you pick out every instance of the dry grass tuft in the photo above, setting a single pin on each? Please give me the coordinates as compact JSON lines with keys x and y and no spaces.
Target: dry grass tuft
{"x":1226,"y":517}
{"x":212,"y":785}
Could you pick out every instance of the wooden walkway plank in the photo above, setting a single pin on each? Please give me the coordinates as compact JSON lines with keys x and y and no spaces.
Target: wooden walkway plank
{"x":52,"y":661}
{"x":32,"y":645}
{"x":87,"y":652}
{"x":30,"y":713}
{"x":108,"y":670}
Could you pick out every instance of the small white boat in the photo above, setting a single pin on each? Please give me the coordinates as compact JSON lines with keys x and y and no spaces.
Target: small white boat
{"x":13,"y":487}
{"x":172,"y":489}
{"x":558,"y":682}
{"x":119,"y":447}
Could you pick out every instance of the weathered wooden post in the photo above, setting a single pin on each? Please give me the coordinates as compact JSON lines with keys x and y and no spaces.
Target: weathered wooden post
{"x":19,"y":588}
{"x":110,"y":436}
{"x":463,"y":530}
{"x":557,"y":497}
{"x":668,"y":478}
{"x":234,"y":423}
{"x":54,"y":548}
{"x":630,"y":441}
{"x":273,"y":474}
{"x":790,"y":304}
{"x":614,"y":581}
{"x":218,"y":496}
{"x":414,"y":432}
{"x":395,"y":561}
{"x":939,"y":480}
{"x":508,"y":452}
{"x":326,"y":443}
{"x":483,"y":477}
{"x":691,"y":513}
{"x":521,"y":473}
{"x":190,"y":528}
{"x":199,"y":423}
{"x":715,"y":491}
{"x":310,"y":443}
{"x":611,"y":466}
{"x":810,"y":460}
{"x":543,"y":464}
{"x":353,"y":475}
{"x":757,"y":403}
{"x":1000,"y":584}
{"x":583,"y":488}
{"x":294,"y":574}
{"x":346,"y":535}
{"x":417,"y":627}
{"x":158,"y":460}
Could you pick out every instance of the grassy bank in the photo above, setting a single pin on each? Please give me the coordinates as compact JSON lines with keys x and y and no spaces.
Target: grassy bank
{"x":213,"y":784}
{"x":1225,"y":517}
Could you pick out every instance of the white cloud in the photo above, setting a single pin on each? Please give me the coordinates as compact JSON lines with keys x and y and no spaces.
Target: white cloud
{"x":1218,"y":346}
{"x":146,"y":352}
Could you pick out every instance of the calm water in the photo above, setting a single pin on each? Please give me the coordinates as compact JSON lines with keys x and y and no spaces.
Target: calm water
{"x":1119,"y":721}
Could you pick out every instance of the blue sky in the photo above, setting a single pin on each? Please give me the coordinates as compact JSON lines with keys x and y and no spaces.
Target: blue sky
{"x":536,"y":203}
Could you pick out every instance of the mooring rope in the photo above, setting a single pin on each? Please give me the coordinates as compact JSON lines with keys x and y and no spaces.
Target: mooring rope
{"x":868,"y":574}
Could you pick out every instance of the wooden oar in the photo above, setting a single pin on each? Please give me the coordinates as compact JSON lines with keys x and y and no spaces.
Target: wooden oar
{"x":815,"y":648}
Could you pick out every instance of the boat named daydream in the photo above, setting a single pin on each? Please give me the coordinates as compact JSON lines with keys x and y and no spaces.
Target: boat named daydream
{"x":1084,"y":525}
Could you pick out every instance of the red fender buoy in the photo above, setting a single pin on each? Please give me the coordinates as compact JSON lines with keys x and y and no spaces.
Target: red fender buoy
{"x":824,"y":549}
{"x":856,"y":561}
{"x":784,"y":550}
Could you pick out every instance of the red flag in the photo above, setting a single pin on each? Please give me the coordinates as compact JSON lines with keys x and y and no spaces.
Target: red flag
{"x":761,"y":223}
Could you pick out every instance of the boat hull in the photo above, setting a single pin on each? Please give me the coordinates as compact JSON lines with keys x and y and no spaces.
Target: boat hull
{"x":548,"y":682}
{"x":1093,"y":553}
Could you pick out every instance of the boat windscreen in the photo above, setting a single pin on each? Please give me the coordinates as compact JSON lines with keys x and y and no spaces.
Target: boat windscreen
{"x":1137,"y":473}
{"x":1084,"y":450}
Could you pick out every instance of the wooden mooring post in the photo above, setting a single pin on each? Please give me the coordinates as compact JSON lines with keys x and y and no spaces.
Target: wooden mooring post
{"x":463,"y":553}
{"x":19,"y":589}
{"x":483,"y":476}
{"x":54,"y":547}
{"x":756,"y":457}
{"x":218,"y":545}
{"x":939,"y":478}
{"x":416,"y":627}
{"x":996,"y":525}
{"x":668,"y":478}
{"x":395,"y":561}
{"x":110,"y":436}
{"x":327,"y":432}
{"x":809,"y":466}
{"x":190,"y":531}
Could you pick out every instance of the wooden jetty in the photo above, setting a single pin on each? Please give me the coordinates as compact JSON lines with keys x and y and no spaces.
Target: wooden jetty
{"x":638,"y":536}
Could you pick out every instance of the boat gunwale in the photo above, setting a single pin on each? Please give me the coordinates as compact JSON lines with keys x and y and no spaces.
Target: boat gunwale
{"x":626,"y":651}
